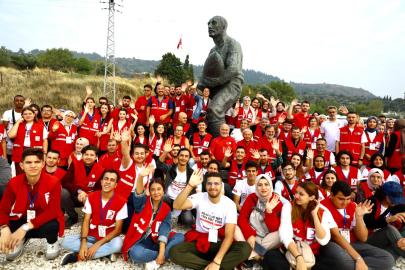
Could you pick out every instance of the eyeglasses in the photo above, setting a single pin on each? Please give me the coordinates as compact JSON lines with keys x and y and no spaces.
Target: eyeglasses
{"x":179,"y":130}
{"x":213,"y":183}
{"x":288,"y":170}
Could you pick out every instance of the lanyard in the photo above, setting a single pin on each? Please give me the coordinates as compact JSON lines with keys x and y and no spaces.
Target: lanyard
{"x":55,"y":171}
{"x":263,"y":171}
{"x":317,"y":179}
{"x":312,"y":134}
{"x":239,"y":170}
{"x":346,"y":178}
{"x":31,"y":201}
{"x":101,"y":206}
{"x":27,"y":131}
{"x":201,"y":141}
{"x":205,"y":106}
{"x":344,"y":220}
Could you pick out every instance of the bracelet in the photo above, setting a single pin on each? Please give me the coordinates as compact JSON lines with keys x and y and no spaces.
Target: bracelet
{"x":188,"y":184}
{"x":359,"y":258}
{"x":3,"y":226}
{"x":216,"y":263}
{"x":119,"y":141}
{"x":83,"y":238}
{"x":297,"y":256}
{"x":361,"y":159}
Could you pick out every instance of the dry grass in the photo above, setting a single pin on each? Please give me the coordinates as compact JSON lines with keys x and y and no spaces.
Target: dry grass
{"x":60,"y":90}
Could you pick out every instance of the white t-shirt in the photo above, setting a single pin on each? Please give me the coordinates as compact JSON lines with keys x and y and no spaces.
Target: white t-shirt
{"x":346,"y":174}
{"x":278,"y":188}
{"x":195,"y":167}
{"x":122,"y":214}
{"x":330,"y":129}
{"x":157,"y":148}
{"x":363,"y":136}
{"x":211,"y":215}
{"x":237,"y":135}
{"x":27,"y":143}
{"x":179,"y":183}
{"x":8,"y":116}
{"x":243,"y":190}
{"x":145,"y":179}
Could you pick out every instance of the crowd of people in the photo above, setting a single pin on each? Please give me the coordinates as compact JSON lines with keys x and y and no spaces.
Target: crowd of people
{"x":280,"y":186}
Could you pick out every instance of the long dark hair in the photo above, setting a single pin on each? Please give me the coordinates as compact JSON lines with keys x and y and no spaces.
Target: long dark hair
{"x":39,"y":115}
{"x":323,"y":184}
{"x":298,"y":212}
{"x":108,"y":115}
{"x":164,"y":135}
{"x":156,"y":181}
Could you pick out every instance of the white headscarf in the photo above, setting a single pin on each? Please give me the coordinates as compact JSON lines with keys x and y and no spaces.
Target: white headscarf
{"x":261,"y":198}
{"x":63,"y":122}
{"x":370,"y":185}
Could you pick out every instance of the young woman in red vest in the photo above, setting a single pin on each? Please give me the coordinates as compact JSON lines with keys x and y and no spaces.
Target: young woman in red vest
{"x":77,"y":153}
{"x":302,"y":220}
{"x":104,"y":135}
{"x":121,"y":125}
{"x":300,"y":170}
{"x":367,"y":188}
{"x":139,"y":135}
{"x":154,"y":214}
{"x":375,"y":140}
{"x":63,"y":135}
{"x":89,"y":122}
{"x":396,"y":146}
{"x":104,"y":213}
{"x":311,"y":133}
{"x":316,"y":173}
{"x":329,"y":178}
{"x":347,"y":173}
{"x":385,"y":222}
{"x":179,"y":138}
{"x":280,"y":112}
{"x":27,"y":132}
{"x":258,"y":109}
{"x":156,"y":141}
{"x":377,"y":161}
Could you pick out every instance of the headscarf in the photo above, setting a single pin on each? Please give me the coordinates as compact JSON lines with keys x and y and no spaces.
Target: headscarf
{"x":243,"y":102}
{"x":261,"y":198}
{"x":370,"y":185}
{"x":324,"y":161}
{"x":371,"y":130}
{"x":388,"y":130}
{"x":63,"y":122}
{"x":281,"y":104}
{"x":84,"y":141}
{"x":373,"y":157}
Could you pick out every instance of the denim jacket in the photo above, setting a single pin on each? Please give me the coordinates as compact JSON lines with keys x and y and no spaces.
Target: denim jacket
{"x":166,"y":226}
{"x":199,"y":102}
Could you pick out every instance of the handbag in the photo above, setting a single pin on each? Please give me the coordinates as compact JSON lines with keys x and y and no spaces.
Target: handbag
{"x":305,"y":250}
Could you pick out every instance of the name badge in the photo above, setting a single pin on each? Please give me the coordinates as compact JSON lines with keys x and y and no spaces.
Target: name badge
{"x":313,"y":145}
{"x":213,"y":236}
{"x":27,"y":141}
{"x":346,"y":235}
{"x":105,"y":128}
{"x":37,"y":138}
{"x":68,"y":140}
{"x":372,"y":146}
{"x":101,"y":230}
{"x":199,"y":150}
{"x":30,"y":215}
{"x":177,"y":109}
{"x":95,"y":125}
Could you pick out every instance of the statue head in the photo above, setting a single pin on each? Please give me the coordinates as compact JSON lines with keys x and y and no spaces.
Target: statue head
{"x":217,"y":26}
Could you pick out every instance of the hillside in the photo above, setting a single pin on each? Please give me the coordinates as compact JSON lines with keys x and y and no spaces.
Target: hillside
{"x":330,"y":89}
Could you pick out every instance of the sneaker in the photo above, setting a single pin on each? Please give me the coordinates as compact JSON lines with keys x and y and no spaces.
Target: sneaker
{"x":248,"y":264}
{"x":69,"y":258}
{"x":17,"y":250}
{"x":52,"y":251}
{"x":112,"y":257}
{"x":70,"y":222}
{"x":151,"y":265}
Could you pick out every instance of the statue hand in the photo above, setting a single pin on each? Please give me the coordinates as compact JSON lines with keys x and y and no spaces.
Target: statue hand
{"x":212,"y":82}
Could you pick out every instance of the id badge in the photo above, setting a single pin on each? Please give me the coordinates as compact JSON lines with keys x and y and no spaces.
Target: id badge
{"x":313,"y":145}
{"x":27,"y":141}
{"x":372,"y":146}
{"x":213,"y":236}
{"x":37,"y":138}
{"x":101,"y":230}
{"x":199,"y":150}
{"x":346,"y":235}
{"x":95,"y":125}
{"x":30,"y":215}
{"x":177,"y":109}
{"x":68,"y":140}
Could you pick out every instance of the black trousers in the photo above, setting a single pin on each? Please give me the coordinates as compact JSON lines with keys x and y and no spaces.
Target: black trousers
{"x":275,"y":260}
{"x":68,"y":202}
{"x":49,"y":230}
{"x":131,"y":211}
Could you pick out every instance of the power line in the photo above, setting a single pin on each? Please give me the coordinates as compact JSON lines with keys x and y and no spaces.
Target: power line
{"x":30,"y":4}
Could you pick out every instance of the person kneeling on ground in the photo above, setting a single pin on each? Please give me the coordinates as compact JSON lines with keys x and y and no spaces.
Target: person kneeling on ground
{"x":30,"y":208}
{"x":216,"y":218}
{"x":104,"y":212}
{"x":149,"y":239}
{"x":259,"y":219}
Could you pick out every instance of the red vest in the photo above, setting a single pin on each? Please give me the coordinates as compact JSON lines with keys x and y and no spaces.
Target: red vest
{"x":235,"y":174}
{"x":182,"y":141}
{"x":281,"y":136}
{"x":180,"y":105}
{"x":292,"y":149}
{"x":103,"y":139}
{"x":401,"y":178}
{"x":87,"y":183}
{"x":59,"y":173}
{"x":200,"y":146}
{"x":339,"y":219}
{"x":141,"y":101}
{"x":231,"y":120}
{"x":274,"y":119}
{"x":137,"y":140}
{"x":378,"y":143}
{"x":351,"y":141}
{"x":300,"y":120}
{"x":267,"y":171}
{"x":259,"y":133}
{"x":204,"y":109}
{"x":157,"y":110}
{"x":324,"y":193}
{"x":285,"y":192}
{"x":59,"y":138}
{"x":89,"y":128}
{"x":367,"y":191}
{"x":308,"y":139}
{"x":127,"y":181}
{"x":397,"y":224}
{"x":51,"y":122}
{"x":351,"y":179}
{"x":2,"y":131}
{"x":36,"y":138}
{"x":21,"y":197}
{"x":109,"y":162}
{"x":395,"y":160}
{"x":152,"y":145}
{"x":263,"y":143}
{"x":140,"y":223}
{"x":316,"y":180}
{"x":248,"y":148}
{"x":305,"y":232}
{"x":115,"y":204}
{"x":116,"y":114}
{"x":326,"y":156}
{"x":243,"y":115}
{"x":185,"y":127}
{"x":220,"y":144}
{"x":190,"y":106}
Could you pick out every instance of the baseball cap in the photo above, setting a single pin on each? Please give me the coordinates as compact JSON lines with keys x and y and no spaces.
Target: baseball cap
{"x":394,"y":191}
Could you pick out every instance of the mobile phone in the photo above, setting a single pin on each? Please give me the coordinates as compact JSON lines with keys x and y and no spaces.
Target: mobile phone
{"x":260,"y":249}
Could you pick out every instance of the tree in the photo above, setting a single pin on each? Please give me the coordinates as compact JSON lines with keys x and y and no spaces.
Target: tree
{"x":100,"y":68}
{"x":57,"y":59}
{"x":170,"y":66}
{"x":188,"y":69}
{"x":4,"y":56}
{"x":22,"y":61}
{"x":263,"y":89}
{"x":285,"y":91}
{"x":84,"y":66}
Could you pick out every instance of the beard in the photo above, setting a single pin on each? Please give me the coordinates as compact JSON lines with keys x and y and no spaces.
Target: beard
{"x":214,"y":195}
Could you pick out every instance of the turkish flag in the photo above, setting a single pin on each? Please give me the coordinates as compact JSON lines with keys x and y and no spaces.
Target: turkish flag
{"x":178,"y":45}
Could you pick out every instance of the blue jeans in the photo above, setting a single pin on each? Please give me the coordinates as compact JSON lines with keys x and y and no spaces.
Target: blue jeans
{"x":72,"y":242}
{"x":147,"y":250}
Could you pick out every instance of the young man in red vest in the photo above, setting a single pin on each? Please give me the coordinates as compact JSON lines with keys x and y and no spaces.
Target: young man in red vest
{"x":82,"y":178}
{"x":126,"y":104}
{"x":104,"y":213}
{"x":216,"y":218}
{"x":248,"y":144}
{"x":267,"y":142}
{"x":205,"y":158}
{"x":320,"y":150}
{"x":51,"y":165}
{"x":180,"y":104}
{"x":244,"y":188}
{"x":300,"y":118}
{"x":141,"y":104}
{"x":260,"y":129}
{"x":111,"y":159}
{"x":174,"y":154}
{"x":265,"y":166}
{"x":286,"y":187}
{"x":344,"y":171}
{"x":47,"y":120}
{"x":285,"y":132}
{"x":200,"y":141}
{"x":349,"y":232}
{"x":221,"y":143}
{"x":353,"y":139}
{"x":294,"y":145}
{"x":30,"y":208}
{"x":160,"y":106}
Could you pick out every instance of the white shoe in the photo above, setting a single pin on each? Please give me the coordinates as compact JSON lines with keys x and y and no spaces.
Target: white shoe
{"x":17,"y":250}
{"x":152,"y":265}
{"x":52,"y":251}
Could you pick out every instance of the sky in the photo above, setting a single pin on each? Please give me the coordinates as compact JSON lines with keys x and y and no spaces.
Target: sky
{"x":352,"y":43}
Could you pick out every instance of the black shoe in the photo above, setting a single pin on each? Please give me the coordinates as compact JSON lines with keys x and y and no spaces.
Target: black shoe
{"x":69,"y":258}
{"x":70,"y":222}
{"x":247,"y":264}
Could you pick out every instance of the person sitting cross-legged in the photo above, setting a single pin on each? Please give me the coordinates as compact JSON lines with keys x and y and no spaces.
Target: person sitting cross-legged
{"x":104,"y":212}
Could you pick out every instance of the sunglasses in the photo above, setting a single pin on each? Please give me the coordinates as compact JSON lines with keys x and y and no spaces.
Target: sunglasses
{"x":155,"y":179}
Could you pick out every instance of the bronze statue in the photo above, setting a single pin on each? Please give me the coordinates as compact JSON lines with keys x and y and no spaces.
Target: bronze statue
{"x":222,"y":73}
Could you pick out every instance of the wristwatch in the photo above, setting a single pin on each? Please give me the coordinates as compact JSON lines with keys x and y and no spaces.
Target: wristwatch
{"x":79,"y":191}
{"x":25,"y":227}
